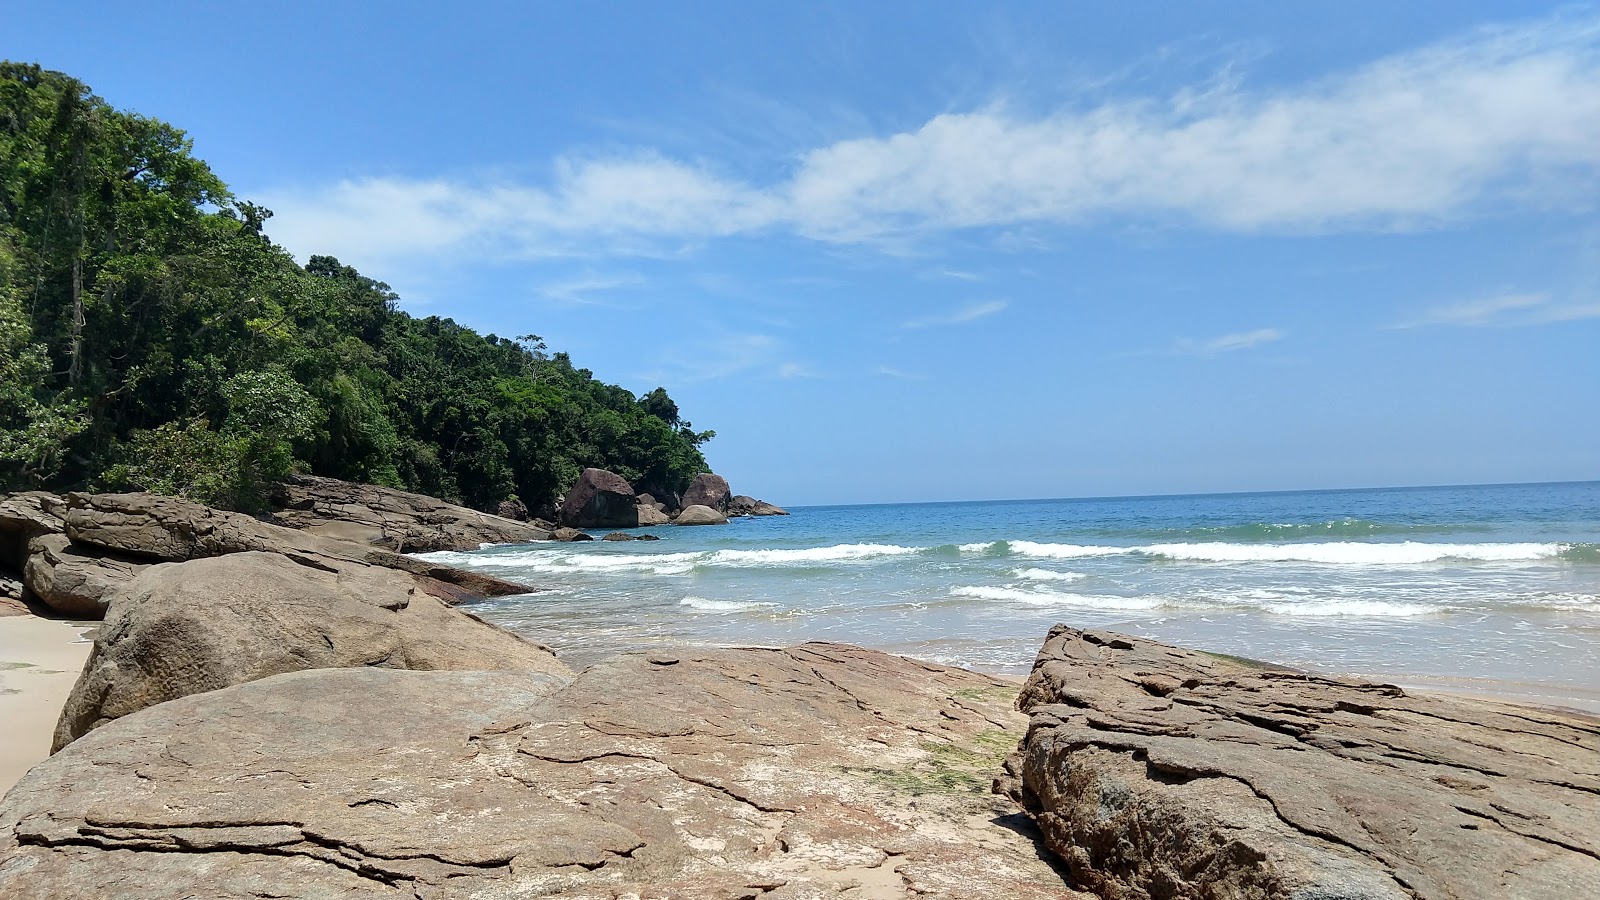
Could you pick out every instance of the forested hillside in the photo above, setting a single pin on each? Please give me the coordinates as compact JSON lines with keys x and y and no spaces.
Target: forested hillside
{"x":151,"y":336}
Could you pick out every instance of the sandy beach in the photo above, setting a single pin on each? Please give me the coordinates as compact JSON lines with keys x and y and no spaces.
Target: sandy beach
{"x":39,"y":662}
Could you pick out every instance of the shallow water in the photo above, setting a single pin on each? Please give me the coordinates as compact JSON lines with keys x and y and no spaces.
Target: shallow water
{"x":1463,"y":584}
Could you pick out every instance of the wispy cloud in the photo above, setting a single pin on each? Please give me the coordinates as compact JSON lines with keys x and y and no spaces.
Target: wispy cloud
{"x":892,"y":372}
{"x":793,"y":369}
{"x":1228,"y":343}
{"x":972,"y":312}
{"x":1499,"y":117}
{"x":726,"y":356}
{"x":589,"y":290}
{"x":1504,"y":310}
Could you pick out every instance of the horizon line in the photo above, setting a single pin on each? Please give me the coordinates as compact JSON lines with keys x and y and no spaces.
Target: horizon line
{"x":1408,"y":487}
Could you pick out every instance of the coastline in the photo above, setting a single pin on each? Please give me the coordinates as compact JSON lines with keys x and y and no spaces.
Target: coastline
{"x":40,"y":660}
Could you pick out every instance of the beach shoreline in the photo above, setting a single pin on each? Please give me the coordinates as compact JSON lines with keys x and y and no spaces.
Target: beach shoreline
{"x":40,"y":660}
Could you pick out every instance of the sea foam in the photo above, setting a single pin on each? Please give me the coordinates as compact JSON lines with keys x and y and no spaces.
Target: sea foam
{"x":1047,"y":575}
{"x":836,"y":553}
{"x":1036,"y":597}
{"x":701,"y":604}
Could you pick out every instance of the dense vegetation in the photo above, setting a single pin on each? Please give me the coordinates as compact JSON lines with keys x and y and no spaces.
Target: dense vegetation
{"x":152,"y":337}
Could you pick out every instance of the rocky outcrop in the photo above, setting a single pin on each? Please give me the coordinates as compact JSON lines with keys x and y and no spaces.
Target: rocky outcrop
{"x":395,"y":520}
{"x":817,"y":771}
{"x":599,"y":499}
{"x":153,"y":528}
{"x":513,"y":509}
{"x":700,"y":515}
{"x":568,"y":535}
{"x":708,"y":490}
{"x":74,"y":580}
{"x":185,"y":628}
{"x":742,"y":505}
{"x":651,"y":493}
{"x":1158,"y":772}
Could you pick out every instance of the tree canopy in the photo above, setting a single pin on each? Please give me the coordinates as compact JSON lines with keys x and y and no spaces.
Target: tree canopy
{"x":151,"y":336}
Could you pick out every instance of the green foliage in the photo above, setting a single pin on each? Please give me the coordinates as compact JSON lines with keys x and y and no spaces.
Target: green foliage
{"x":153,"y":337}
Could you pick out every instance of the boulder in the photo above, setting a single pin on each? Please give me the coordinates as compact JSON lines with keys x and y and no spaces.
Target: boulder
{"x":151,"y":528}
{"x":817,"y":771}
{"x":513,"y":509}
{"x":708,"y":490}
{"x":396,"y":520}
{"x":74,"y":580}
{"x":619,"y":536}
{"x":700,"y":515}
{"x":1159,"y":772}
{"x":660,"y":496}
{"x":185,"y":628}
{"x":569,"y":535}
{"x":600,"y":499}
{"x":743,"y":505}
{"x":647,"y":537}
{"x":649,"y":515}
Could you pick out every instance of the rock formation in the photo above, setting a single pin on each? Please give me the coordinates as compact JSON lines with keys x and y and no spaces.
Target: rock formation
{"x":649,"y":515}
{"x":74,"y":580}
{"x":599,"y":499}
{"x":183,"y":628}
{"x":817,"y":771}
{"x":72,"y":554}
{"x":742,"y":505}
{"x":1158,"y":772}
{"x":658,"y":496}
{"x":513,"y":509}
{"x":708,"y":490}
{"x":567,"y":535}
{"x":700,"y":515}
{"x":395,"y":520}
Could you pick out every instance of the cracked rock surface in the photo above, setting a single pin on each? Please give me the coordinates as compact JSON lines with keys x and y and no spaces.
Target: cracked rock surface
{"x":819,"y":771}
{"x":1158,"y":772}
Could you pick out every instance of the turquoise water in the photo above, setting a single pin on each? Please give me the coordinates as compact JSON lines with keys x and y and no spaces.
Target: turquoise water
{"x":1465,"y":586}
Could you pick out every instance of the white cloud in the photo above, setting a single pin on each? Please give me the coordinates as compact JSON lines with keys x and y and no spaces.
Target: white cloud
{"x":1503,"y":115}
{"x":1504,"y":310}
{"x":1228,"y":343}
{"x":749,"y":355}
{"x":793,"y":369}
{"x":969,"y":313}
{"x":588,"y":290}
{"x":892,"y":372}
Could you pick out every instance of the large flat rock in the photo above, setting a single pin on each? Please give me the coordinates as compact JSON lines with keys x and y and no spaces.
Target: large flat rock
{"x":1159,"y":772}
{"x":818,"y":771}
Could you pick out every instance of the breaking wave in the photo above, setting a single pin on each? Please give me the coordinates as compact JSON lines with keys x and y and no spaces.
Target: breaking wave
{"x":1036,"y":597}
{"x":701,"y":604}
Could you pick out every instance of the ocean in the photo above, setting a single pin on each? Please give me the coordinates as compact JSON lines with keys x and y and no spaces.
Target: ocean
{"x":1491,"y":589}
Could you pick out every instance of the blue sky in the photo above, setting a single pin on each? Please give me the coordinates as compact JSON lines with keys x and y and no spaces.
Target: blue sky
{"x":942,"y":251}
